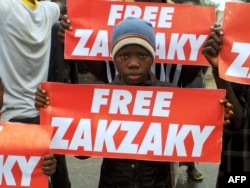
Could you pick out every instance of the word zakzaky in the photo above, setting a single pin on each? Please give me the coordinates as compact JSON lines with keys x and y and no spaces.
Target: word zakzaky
{"x":160,"y":17}
{"x":26,"y":166}
{"x":144,"y":103}
{"x":238,"y":68}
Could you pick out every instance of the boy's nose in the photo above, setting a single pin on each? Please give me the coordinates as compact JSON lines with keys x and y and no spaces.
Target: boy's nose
{"x":133,"y":62}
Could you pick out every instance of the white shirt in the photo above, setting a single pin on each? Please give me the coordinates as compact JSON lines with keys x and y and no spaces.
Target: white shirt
{"x":25,"y":37}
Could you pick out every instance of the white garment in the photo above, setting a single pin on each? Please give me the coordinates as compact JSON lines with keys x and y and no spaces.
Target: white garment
{"x":25,"y":37}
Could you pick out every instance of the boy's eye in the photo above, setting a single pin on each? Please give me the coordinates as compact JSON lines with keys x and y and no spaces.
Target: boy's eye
{"x":143,"y":56}
{"x":139,"y":55}
{"x":123,"y":56}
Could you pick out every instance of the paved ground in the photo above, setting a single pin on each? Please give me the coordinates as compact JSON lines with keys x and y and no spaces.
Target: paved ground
{"x":85,"y":173}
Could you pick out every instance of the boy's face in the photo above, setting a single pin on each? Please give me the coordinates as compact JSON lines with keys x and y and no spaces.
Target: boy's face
{"x":133,"y":63}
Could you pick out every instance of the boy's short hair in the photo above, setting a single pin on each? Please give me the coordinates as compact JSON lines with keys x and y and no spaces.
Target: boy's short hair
{"x":133,"y":31}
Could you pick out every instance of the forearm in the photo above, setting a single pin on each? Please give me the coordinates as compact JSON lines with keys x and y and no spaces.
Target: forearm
{"x":237,"y":119}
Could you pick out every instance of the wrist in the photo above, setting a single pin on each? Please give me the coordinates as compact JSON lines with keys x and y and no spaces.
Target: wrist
{"x":215,"y":71}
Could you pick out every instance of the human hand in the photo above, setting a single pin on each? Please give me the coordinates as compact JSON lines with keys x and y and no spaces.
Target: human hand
{"x":228,"y":111}
{"x":213,"y":45}
{"x":41,"y":98}
{"x":49,"y":164}
{"x":64,"y":24}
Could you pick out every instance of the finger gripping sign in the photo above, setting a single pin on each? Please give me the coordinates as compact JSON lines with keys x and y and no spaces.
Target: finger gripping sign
{"x":178,"y":40}
{"x":146,"y":123}
{"x":22,"y":148}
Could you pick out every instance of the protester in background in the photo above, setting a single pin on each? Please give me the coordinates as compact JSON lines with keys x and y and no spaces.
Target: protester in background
{"x":60,"y":71}
{"x":27,"y":65}
{"x":235,"y":156}
{"x":197,"y":82}
{"x":26,"y":31}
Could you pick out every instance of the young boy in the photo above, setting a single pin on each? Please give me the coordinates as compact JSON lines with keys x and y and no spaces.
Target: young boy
{"x":133,"y":53}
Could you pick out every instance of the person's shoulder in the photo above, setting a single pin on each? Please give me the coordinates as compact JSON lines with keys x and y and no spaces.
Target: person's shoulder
{"x":52,"y":8}
{"x":6,"y":8}
{"x":49,"y":4}
{"x":5,"y":5}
